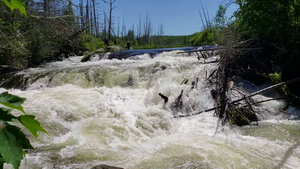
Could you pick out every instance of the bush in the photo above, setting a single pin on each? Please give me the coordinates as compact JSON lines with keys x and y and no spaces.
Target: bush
{"x":90,"y":42}
{"x":206,"y":37}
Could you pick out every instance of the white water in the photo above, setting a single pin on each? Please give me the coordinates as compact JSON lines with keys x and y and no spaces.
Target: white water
{"x":95,"y":115}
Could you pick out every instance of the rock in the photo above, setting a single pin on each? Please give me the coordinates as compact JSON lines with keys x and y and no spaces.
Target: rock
{"x":8,"y":69}
{"x":60,"y":57}
{"x":87,"y":57}
{"x":103,"y":166}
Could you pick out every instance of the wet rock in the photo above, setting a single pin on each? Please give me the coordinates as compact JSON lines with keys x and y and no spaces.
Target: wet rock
{"x":60,"y":57}
{"x":100,"y":52}
{"x":8,"y":69}
{"x":103,"y":166}
{"x":163,"y":67}
{"x":87,"y":57}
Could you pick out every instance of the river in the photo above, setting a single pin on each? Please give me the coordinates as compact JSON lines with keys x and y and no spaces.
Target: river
{"x":109,"y":112}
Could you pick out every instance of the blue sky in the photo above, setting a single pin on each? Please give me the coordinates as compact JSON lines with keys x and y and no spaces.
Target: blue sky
{"x":179,"y":17}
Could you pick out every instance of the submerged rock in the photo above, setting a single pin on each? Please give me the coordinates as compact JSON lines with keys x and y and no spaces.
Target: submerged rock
{"x":103,"y":166}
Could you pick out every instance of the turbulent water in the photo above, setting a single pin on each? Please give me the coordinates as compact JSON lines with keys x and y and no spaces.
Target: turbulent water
{"x":109,"y":112}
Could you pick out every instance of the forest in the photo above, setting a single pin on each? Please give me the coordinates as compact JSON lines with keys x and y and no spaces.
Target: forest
{"x":52,"y":27}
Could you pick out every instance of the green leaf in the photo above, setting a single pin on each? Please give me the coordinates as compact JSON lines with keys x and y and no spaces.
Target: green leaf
{"x":12,"y":101}
{"x":10,"y":148}
{"x":16,"y":4}
{"x":5,"y":114}
{"x":31,"y":124}
{"x":2,"y":161}
{"x":20,"y":136}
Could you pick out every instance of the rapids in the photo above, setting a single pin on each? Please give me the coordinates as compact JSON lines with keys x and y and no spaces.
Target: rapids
{"x":109,"y":112}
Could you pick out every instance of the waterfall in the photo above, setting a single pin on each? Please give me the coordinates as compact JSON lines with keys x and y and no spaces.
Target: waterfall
{"x":109,"y":112}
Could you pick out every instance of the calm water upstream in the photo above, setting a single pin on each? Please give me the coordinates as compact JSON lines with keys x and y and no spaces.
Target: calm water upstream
{"x":109,"y":112}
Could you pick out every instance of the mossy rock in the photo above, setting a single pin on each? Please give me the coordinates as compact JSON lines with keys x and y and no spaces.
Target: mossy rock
{"x":87,"y":56}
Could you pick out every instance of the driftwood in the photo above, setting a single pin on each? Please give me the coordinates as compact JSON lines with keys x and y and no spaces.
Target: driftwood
{"x":202,"y":52}
{"x":246,"y":97}
{"x":268,"y":88}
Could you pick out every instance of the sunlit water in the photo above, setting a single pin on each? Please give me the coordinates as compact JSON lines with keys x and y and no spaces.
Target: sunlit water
{"x":109,"y":112}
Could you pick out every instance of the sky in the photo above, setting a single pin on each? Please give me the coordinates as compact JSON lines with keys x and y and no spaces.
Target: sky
{"x":178,"y":17}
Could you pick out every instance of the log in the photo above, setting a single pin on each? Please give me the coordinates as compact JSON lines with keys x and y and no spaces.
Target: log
{"x":211,"y":109}
{"x":200,"y":50}
{"x":266,"y":89}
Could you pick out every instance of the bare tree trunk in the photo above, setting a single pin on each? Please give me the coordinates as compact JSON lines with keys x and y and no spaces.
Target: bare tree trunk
{"x":87,"y":15}
{"x":140,"y":29}
{"x":91,"y":18}
{"x":147,"y":29}
{"x":104,"y":28}
{"x":46,"y":6}
{"x":81,"y":14}
{"x":95,"y":18}
{"x":123,"y":28}
{"x":204,"y":27}
{"x":207,"y":22}
{"x":118,"y":27}
{"x":110,"y":16}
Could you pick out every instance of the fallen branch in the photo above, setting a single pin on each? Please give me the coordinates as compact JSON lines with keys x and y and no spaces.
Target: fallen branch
{"x":194,"y":114}
{"x":211,"y":109}
{"x":268,"y":88}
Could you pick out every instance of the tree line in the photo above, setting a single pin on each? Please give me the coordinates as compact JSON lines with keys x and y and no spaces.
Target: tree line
{"x":59,"y":27}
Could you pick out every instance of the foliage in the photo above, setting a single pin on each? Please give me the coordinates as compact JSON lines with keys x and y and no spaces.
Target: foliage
{"x":16,"y":4}
{"x":275,"y":77}
{"x":12,"y":140}
{"x":90,"y":42}
{"x":220,"y":17}
{"x":206,"y":37}
{"x":276,"y":21}
{"x":32,"y":40}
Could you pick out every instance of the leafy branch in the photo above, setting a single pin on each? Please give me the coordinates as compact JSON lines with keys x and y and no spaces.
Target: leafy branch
{"x":16,"y":4}
{"x":12,"y":140}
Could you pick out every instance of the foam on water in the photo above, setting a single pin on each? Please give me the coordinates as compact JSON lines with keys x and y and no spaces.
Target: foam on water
{"x":130,"y":126}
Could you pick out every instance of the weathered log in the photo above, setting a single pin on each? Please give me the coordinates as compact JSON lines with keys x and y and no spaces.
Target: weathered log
{"x":266,"y":89}
{"x":197,"y":113}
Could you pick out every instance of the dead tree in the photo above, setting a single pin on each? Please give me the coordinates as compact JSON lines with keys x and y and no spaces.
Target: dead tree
{"x":111,"y":8}
{"x":95,"y":18}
